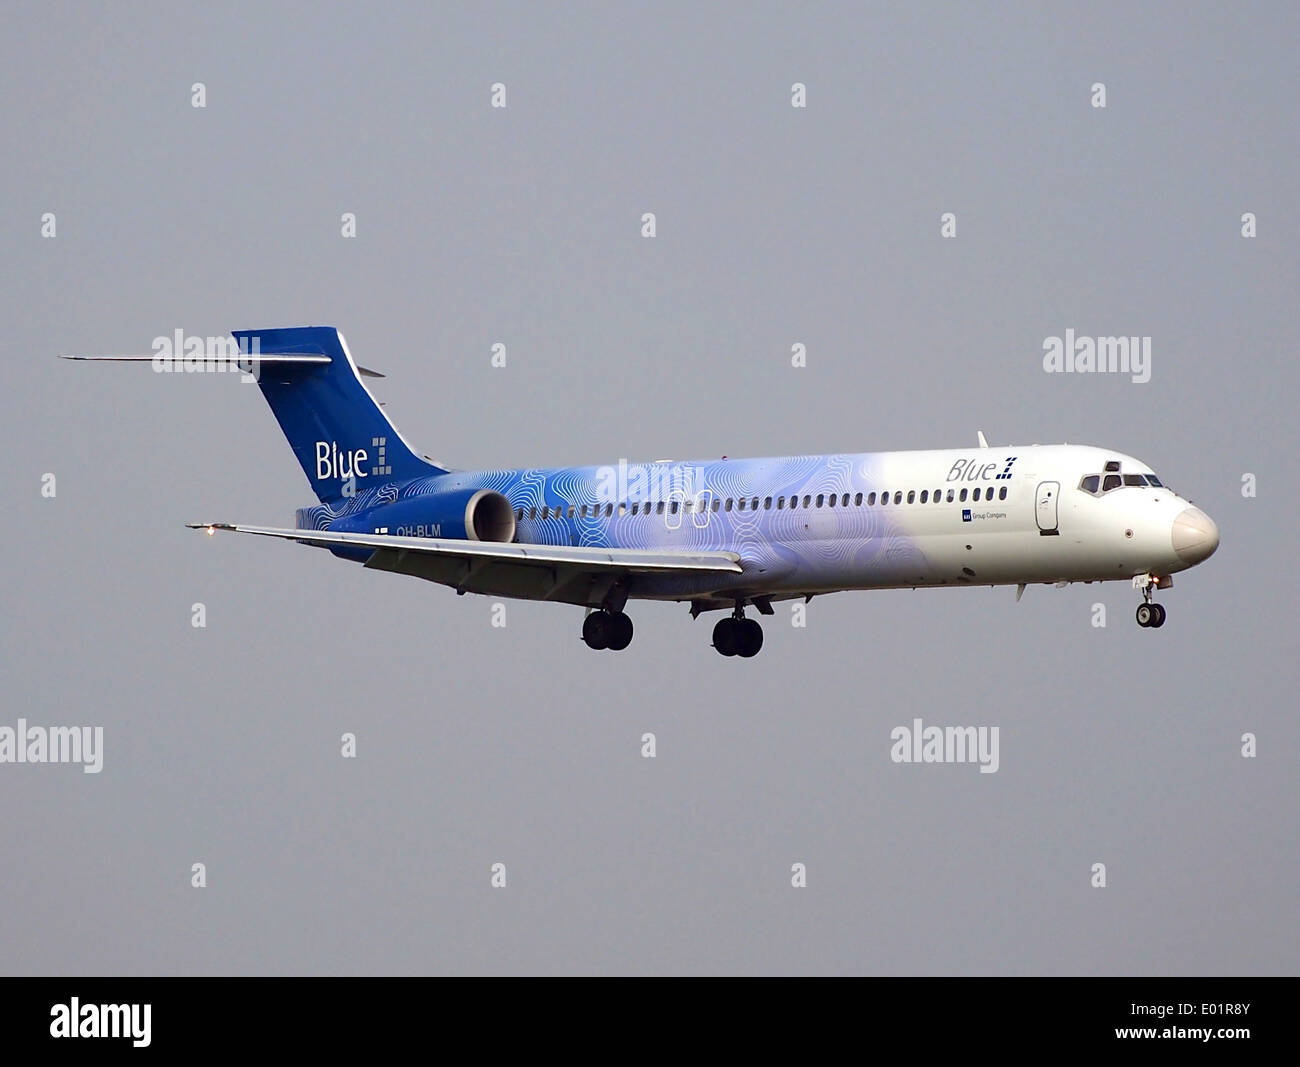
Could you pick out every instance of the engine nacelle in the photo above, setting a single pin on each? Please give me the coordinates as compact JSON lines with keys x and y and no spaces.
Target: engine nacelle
{"x":460,"y":515}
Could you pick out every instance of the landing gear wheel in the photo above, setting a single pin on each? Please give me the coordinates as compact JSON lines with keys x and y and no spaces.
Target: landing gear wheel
{"x":596,"y":630}
{"x":750,"y":635}
{"x":1159,"y":619}
{"x":620,"y":632}
{"x":1146,"y":613}
{"x":725,"y":637}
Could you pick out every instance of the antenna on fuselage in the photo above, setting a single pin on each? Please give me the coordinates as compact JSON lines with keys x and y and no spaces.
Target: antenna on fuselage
{"x":983,"y":443}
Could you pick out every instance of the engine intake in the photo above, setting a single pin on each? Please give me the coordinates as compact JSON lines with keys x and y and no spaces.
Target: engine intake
{"x":489,"y":517}
{"x":462,"y":514}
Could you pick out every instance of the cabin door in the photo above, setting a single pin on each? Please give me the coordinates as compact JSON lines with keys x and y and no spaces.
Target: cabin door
{"x":1046,"y":504}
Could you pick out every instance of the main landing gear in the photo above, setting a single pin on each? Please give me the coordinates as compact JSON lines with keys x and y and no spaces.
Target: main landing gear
{"x":737,"y":635}
{"x":607,"y":629}
{"x":1149,"y":613}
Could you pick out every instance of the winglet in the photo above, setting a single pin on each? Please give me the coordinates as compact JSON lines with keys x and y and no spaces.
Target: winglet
{"x":983,"y":443}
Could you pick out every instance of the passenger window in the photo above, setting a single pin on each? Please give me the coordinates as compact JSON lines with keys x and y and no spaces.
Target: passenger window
{"x":780,"y":503}
{"x":659,"y":508}
{"x":532,"y":514}
{"x":1113,"y":481}
{"x":519,"y":514}
{"x":857,"y":501}
{"x":925,"y":496}
{"x":767,"y":503}
{"x":672,"y":507}
{"x":716,"y":504}
{"x":741,"y":504}
{"x":821,"y":499}
{"x":911,"y":496}
{"x":753,"y":504}
{"x":833,"y":500}
{"x":794,"y":502}
{"x":871,"y":500}
{"x":963,"y":496}
{"x":938,"y":495}
{"x":1002,"y":493}
{"x":949,"y":496}
{"x":806,"y":499}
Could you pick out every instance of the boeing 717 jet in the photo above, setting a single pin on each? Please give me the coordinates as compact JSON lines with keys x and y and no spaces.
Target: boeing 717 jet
{"x":721,"y":535}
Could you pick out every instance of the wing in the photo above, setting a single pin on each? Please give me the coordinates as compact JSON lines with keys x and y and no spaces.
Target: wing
{"x":537,"y":572}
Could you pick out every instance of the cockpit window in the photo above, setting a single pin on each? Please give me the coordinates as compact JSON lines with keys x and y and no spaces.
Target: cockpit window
{"x":1111,"y":480}
{"x":1111,"y":466}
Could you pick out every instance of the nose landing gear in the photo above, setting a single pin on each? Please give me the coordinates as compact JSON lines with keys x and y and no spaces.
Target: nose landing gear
{"x":1152,"y":615}
{"x":1149,"y":613}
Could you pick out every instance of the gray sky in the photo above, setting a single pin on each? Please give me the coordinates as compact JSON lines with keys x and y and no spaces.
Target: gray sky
{"x":522,"y":226}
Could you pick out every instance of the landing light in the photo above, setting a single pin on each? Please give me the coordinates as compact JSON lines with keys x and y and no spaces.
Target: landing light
{"x":211,"y":530}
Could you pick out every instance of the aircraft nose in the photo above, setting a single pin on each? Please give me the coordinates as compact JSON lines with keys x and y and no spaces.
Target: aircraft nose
{"x":1195,"y":535}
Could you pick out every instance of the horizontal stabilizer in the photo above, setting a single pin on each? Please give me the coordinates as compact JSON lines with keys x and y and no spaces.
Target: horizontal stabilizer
{"x":237,"y":357}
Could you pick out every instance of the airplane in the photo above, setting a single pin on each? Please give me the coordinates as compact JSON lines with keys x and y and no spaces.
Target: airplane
{"x":721,"y":535}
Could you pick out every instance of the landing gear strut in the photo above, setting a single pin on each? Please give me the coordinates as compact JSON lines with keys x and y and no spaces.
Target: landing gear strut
{"x":607,"y":629}
{"x":1149,"y":613}
{"x":737,"y":635}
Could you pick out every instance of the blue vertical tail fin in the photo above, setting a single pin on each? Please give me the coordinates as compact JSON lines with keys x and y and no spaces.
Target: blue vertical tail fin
{"x":343,"y":441}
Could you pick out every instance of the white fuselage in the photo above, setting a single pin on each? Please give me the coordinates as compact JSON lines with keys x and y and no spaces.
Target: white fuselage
{"x":977,"y":516}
